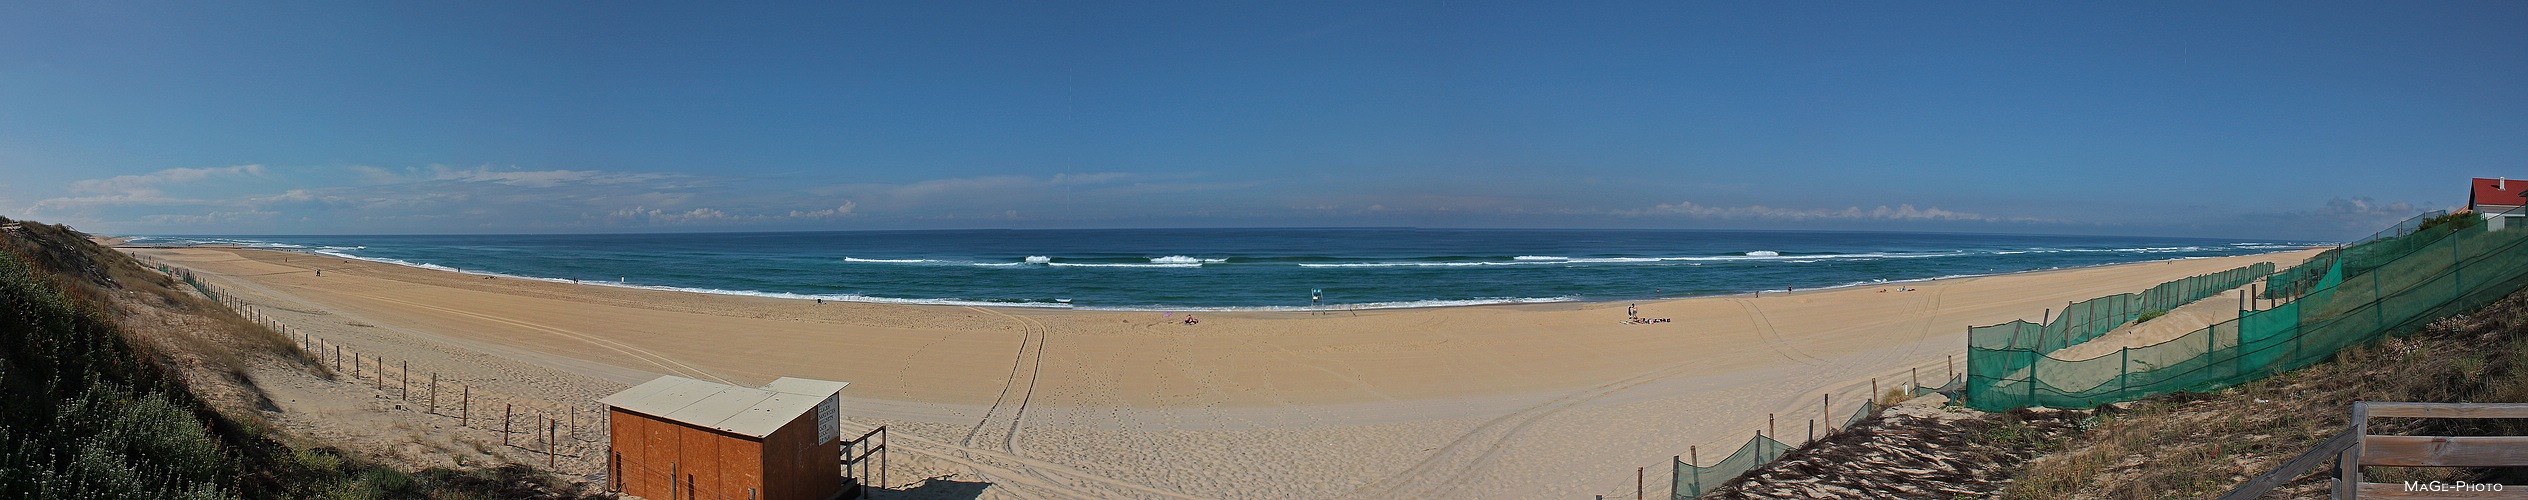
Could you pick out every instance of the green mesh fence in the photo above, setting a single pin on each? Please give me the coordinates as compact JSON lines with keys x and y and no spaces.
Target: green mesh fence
{"x":1866,"y":410}
{"x":2367,"y":290}
{"x":1694,"y":480}
{"x":2299,"y":280}
{"x":2082,"y":321}
{"x":1951,"y":387}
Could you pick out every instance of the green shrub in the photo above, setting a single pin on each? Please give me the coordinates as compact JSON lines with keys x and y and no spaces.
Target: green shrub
{"x":2455,"y":220}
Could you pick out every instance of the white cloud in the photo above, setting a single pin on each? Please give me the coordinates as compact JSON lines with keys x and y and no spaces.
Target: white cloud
{"x":1004,"y":185}
{"x":2366,"y":207}
{"x":540,"y":178}
{"x":838,"y":211}
{"x":144,"y":189}
{"x":667,"y":217}
{"x":149,"y":182}
{"x":209,"y":218}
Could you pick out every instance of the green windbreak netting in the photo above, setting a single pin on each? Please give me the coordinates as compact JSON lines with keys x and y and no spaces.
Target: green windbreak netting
{"x":1950,"y":387}
{"x":2365,"y":291}
{"x":2012,"y":347}
{"x":1693,"y":480}
{"x":2300,"y":279}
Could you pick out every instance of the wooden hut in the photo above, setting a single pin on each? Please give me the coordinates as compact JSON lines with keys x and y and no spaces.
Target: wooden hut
{"x":677,"y":438}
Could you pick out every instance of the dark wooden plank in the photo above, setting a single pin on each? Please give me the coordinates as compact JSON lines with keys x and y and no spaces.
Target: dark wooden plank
{"x":2448,"y":410}
{"x":2348,"y":464}
{"x":2397,"y":490}
{"x":2293,"y":468}
{"x":2445,"y":451}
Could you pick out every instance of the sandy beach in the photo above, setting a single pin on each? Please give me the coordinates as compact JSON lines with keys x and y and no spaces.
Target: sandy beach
{"x":1519,"y":401}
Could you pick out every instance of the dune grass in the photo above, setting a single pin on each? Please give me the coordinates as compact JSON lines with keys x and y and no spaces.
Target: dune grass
{"x":88,"y":412}
{"x":2191,"y":445}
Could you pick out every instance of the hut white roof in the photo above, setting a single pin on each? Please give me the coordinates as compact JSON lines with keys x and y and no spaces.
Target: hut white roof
{"x":750,"y":412}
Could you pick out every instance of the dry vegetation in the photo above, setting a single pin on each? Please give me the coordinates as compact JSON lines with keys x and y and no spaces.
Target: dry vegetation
{"x":1916,"y":450}
{"x":2194,"y":445}
{"x":2188,"y":445}
{"x":124,"y":384}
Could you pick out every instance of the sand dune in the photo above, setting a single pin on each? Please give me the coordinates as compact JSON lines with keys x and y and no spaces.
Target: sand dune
{"x":1546,"y":400}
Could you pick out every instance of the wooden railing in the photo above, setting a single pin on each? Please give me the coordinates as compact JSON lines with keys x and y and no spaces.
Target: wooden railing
{"x":2356,"y":447}
{"x":857,"y":467}
{"x":2430,"y":451}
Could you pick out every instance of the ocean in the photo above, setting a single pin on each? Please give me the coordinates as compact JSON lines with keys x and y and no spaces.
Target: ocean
{"x":1244,"y":269}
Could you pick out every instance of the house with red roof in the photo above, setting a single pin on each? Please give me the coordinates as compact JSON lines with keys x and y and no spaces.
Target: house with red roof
{"x":2497,"y":200}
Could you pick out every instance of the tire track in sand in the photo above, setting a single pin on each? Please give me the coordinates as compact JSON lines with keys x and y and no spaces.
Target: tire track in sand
{"x":1027,"y":364}
{"x":1446,"y":468}
{"x":1772,"y":337}
{"x":1043,"y":477}
{"x":671,"y":365}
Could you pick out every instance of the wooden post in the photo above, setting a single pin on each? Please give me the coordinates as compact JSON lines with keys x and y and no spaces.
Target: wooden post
{"x":1638,"y":472}
{"x":549,"y":459}
{"x":2348,"y":476}
{"x":404,"y":379}
{"x":381,"y":374}
{"x":1696,"y":457}
{"x":1952,"y":366}
{"x":882,"y":455}
{"x":1874,"y":393}
{"x":1812,"y":431}
{"x":434,"y":393}
{"x":465,"y":406}
{"x":1768,"y":425}
{"x":2125,"y":378}
{"x":506,"y":410}
{"x":1827,"y":411}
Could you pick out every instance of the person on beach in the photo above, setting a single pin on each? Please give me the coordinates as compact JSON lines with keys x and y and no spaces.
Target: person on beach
{"x":1630,"y":310}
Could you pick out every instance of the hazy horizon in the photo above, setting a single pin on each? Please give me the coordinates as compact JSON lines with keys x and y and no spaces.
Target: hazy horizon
{"x":742,"y":231}
{"x":2298,"y":121}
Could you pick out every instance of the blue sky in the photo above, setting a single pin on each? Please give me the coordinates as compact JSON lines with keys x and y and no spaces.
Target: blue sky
{"x":2266,"y":120}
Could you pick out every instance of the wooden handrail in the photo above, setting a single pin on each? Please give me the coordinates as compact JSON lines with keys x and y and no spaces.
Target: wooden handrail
{"x":2293,"y":468}
{"x":2426,"y":451}
{"x":2448,"y":410}
{"x":2445,"y":451}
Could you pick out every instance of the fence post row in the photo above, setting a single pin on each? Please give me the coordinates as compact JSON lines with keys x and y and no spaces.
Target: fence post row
{"x":318,"y":347}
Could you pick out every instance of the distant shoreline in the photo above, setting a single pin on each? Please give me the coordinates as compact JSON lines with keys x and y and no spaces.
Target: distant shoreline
{"x":1427,"y":304}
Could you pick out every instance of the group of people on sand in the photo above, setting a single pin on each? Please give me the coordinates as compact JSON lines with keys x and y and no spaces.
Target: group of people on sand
{"x":1632,"y":316}
{"x":1899,"y":289}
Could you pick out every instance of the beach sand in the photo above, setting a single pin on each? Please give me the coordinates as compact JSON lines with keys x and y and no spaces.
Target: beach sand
{"x":1516,"y":401}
